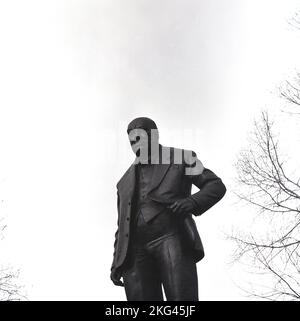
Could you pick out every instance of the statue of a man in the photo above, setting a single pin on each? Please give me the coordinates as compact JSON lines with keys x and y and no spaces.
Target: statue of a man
{"x":157,"y":243}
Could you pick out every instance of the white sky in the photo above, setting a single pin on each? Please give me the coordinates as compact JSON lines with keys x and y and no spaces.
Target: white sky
{"x":74,"y":73}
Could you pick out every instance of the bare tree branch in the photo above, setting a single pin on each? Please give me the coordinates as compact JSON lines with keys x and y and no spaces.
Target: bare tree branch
{"x":265,"y":184}
{"x":10,"y":290}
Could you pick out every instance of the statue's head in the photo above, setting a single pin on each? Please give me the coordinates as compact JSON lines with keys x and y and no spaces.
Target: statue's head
{"x":143,"y":137}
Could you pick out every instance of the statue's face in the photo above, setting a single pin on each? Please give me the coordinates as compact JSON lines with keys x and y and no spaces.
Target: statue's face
{"x":142,"y":141}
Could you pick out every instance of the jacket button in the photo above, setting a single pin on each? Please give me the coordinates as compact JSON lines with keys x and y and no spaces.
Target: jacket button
{"x":129,"y":203}
{"x":127,"y":218}
{"x":126,"y":234}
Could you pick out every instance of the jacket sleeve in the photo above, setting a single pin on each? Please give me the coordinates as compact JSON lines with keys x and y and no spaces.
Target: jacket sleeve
{"x":212,"y":190}
{"x":116,"y":233}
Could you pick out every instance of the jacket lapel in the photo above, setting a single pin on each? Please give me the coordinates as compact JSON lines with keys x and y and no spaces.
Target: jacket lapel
{"x":161,"y":169}
{"x":158,"y":175}
{"x":126,"y":184}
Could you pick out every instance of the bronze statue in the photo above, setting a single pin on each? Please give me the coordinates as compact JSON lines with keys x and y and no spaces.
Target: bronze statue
{"x":157,"y":243}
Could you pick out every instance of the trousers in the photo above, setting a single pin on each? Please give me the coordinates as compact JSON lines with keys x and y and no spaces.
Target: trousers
{"x":158,"y":260}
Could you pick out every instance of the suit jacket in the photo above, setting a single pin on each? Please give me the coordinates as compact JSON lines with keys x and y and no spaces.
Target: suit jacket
{"x":169,"y":183}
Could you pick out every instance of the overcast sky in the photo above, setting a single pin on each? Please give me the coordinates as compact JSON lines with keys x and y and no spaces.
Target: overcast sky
{"x":74,"y":73}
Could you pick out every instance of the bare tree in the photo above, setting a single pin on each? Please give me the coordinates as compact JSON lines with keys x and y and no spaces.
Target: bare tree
{"x":10,"y":290}
{"x":290,"y":91}
{"x":270,"y":184}
{"x":267,"y":183}
{"x":295,"y":20}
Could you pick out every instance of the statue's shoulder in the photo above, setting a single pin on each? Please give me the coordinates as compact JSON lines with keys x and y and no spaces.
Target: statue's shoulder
{"x":125,"y":176}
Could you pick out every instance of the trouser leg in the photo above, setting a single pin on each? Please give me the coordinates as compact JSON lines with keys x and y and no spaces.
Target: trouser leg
{"x":141,"y":279}
{"x":177,"y":269}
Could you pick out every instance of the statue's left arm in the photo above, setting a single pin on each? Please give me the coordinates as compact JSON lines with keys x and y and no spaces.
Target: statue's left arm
{"x":211,"y":190}
{"x":211,"y":187}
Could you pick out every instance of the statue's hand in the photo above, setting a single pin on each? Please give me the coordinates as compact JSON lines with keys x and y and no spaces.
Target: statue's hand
{"x":184,"y":205}
{"x":115,"y":276}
